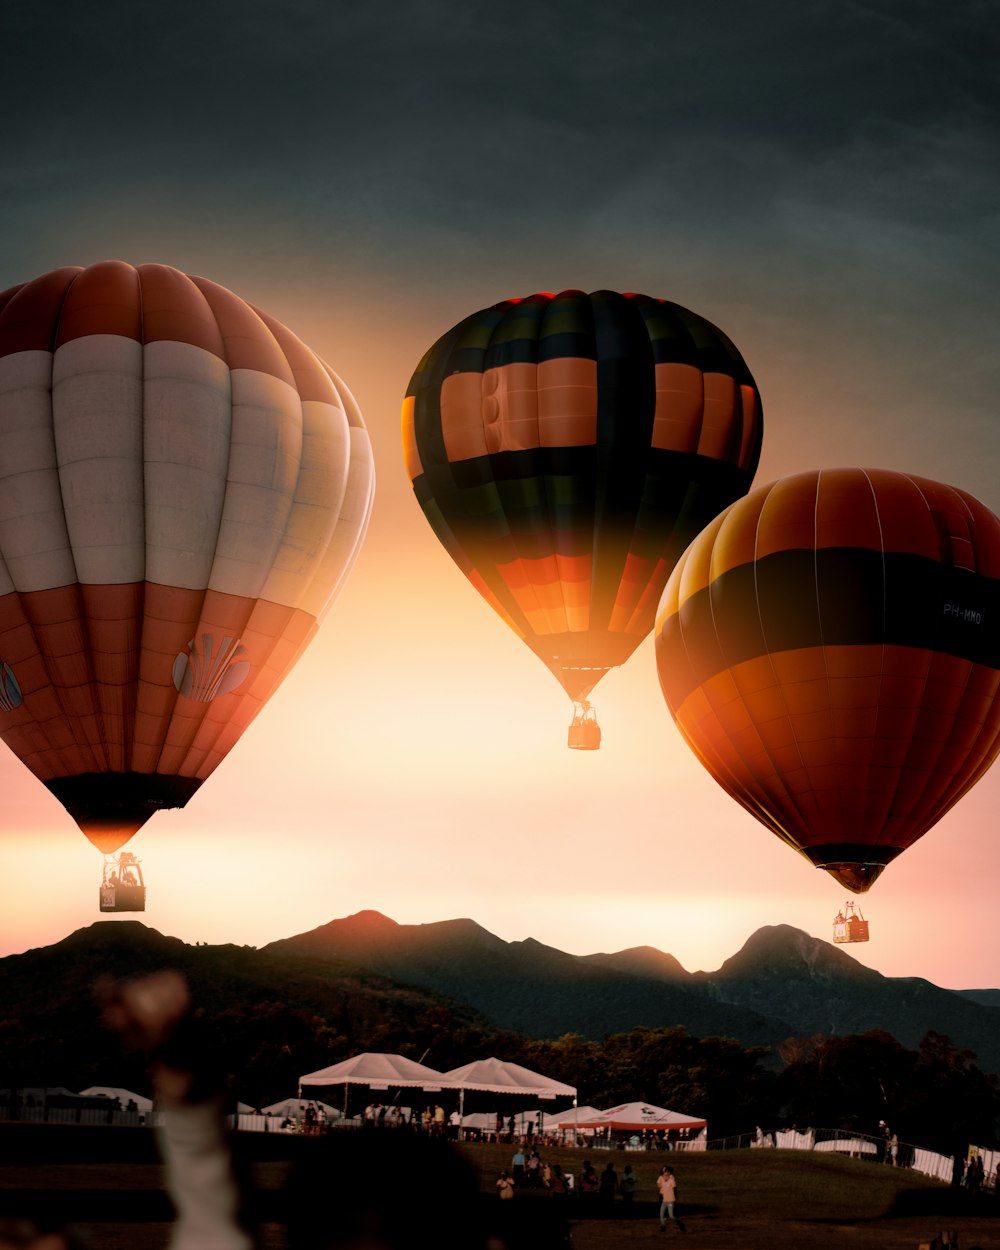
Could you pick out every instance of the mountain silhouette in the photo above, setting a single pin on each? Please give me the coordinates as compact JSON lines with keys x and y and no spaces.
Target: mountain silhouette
{"x":366,"y":975}
{"x":781,"y":983}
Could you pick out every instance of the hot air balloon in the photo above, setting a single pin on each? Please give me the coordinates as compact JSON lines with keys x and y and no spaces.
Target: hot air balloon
{"x":565,"y":450}
{"x":183,"y":487}
{"x":828,"y":648}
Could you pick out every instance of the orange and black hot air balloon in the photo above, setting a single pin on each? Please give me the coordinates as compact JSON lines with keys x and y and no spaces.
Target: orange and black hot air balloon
{"x":828,"y":647}
{"x":184,"y":486}
{"x":566,"y":449}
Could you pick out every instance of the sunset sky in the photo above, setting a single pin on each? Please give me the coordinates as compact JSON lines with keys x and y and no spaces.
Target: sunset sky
{"x":819,"y":180}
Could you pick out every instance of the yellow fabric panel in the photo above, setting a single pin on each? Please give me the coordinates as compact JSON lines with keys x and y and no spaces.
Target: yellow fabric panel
{"x":411,"y":455}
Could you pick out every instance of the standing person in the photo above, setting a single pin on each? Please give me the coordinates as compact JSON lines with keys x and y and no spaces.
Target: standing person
{"x":505,"y":1185}
{"x":894,"y":1149}
{"x":609,"y":1184}
{"x":557,"y":1182}
{"x":588,"y":1181}
{"x":666,"y":1183}
{"x":627,"y":1187}
{"x":517,"y":1166}
{"x":534,"y":1167}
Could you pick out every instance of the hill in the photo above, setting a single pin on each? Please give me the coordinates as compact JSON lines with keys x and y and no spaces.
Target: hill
{"x":365,"y":982}
{"x":781,"y":983}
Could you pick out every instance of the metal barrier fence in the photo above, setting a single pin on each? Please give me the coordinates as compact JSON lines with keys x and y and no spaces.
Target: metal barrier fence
{"x":845,"y":1142}
{"x":46,"y":1114}
{"x":837,"y":1141}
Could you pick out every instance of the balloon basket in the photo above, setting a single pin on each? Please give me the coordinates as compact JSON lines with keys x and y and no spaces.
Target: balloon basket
{"x":584,"y":732}
{"x":122,"y":885}
{"x":848,"y":926}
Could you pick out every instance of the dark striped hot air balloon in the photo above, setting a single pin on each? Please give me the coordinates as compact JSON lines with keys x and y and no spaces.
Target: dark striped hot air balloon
{"x":183,"y":487}
{"x":566,"y":449}
{"x":829,"y":649}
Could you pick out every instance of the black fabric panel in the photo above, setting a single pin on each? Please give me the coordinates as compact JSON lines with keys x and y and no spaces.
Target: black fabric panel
{"x":109,"y":798}
{"x":850,"y":853}
{"x":831,"y":597}
{"x":626,"y":401}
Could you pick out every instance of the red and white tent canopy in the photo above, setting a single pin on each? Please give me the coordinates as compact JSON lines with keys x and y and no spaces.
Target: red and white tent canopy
{"x":641,"y":1115}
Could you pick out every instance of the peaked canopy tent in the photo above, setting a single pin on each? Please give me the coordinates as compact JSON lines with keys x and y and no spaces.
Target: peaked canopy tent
{"x":640,"y":1117}
{"x":567,"y":1123}
{"x":289,"y":1107}
{"x":510,"y":1081}
{"x":124,"y":1096}
{"x":376,"y":1071}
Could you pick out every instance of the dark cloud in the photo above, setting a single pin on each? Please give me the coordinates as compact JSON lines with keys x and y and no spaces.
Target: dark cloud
{"x":818,"y":172}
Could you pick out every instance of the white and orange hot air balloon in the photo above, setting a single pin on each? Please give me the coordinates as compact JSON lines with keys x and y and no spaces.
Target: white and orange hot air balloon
{"x":183,"y":487}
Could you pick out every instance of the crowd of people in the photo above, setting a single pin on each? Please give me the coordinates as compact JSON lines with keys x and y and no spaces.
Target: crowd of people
{"x":604,"y":1189}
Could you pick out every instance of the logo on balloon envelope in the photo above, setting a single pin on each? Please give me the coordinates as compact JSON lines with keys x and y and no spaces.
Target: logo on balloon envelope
{"x":209,"y":668}
{"x":10,"y":691}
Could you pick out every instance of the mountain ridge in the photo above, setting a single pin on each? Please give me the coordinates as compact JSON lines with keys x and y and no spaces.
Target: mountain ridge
{"x":366,"y":971}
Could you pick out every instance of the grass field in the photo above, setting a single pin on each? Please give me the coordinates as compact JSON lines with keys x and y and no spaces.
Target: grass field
{"x":736,"y":1200}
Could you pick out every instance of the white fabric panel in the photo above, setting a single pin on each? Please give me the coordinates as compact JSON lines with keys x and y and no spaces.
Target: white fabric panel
{"x":186,"y":431}
{"x":930,"y":1163}
{"x":33,"y":536}
{"x":97,"y":422}
{"x":265,"y":453}
{"x":319,"y":496}
{"x":352,"y":525}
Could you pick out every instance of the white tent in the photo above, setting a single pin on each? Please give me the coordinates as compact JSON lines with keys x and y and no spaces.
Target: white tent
{"x":296,"y":1107}
{"x":123,"y":1095}
{"x":568,"y":1121}
{"x":498,"y":1077}
{"x":379,"y":1071}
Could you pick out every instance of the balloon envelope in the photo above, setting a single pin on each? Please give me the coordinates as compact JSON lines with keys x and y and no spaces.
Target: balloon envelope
{"x":184,"y":486}
{"x":828,"y":648}
{"x":566,"y":448}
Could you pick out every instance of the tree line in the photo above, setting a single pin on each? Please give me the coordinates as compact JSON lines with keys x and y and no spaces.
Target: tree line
{"x":935,"y":1096}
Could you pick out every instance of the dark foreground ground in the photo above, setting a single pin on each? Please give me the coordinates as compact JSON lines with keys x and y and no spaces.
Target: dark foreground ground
{"x":109,"y":1187}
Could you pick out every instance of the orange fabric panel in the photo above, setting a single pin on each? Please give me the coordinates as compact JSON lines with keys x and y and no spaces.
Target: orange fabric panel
{"x":787,"y":519}
{"x":103,"y":299}
{"x":312,"y":381}
{"x":634,"y":582}
{"x":477,"y":580}
{"x":728,"y":542}
{"x":642,"y":618}
{"x":680,"y":400}
{"x":171,"y":616}
{"x":567,"y":402}
{"x":864,"y":758}
{"x":519,"y":407}
{"x":248,"y":343}
{"x":752,"y":418}
{"x":553,"y":592}
{"x":30,"y":315}
{"x":462,"y":426}
{"x":510,"y":408}
{"x":906,"y":521}
{"x":720,"y":437}
{"x":845,"y":511}
{"x":175,"y":310}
